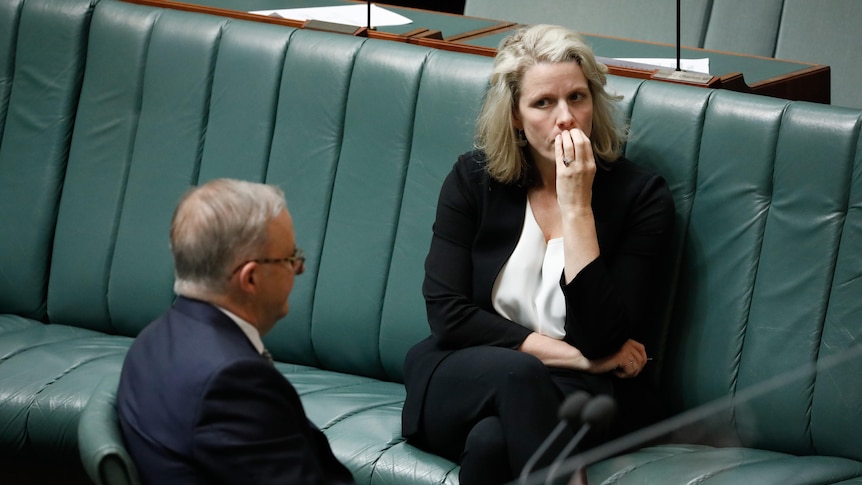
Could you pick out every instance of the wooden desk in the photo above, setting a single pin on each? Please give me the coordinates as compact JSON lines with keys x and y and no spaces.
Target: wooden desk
{"x":760,"y":75}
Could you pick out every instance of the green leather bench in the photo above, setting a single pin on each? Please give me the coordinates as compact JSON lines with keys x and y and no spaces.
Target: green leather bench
{"x":109,"y":111}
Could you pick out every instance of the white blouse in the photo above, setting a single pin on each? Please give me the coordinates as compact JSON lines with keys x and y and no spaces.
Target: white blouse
{"x":527,"y":290}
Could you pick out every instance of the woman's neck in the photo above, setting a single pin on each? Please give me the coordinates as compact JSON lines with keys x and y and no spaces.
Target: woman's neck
{"x":544,"y":173}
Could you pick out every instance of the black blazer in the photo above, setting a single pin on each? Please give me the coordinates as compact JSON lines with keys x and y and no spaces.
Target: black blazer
{"x":477,"y":227}
{"x":198,"y":404}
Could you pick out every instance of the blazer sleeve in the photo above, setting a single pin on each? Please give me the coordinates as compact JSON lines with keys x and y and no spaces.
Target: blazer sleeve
{"x":616,"y":295}
{"x":252,"y":429}
{"x":456,"y":320}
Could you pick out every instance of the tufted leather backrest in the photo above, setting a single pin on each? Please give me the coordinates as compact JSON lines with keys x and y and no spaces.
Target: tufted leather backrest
{"x":771,"y":216}
{"x":42,"y":52}
{"x":333,"y":120}
{"x":360,"y":133}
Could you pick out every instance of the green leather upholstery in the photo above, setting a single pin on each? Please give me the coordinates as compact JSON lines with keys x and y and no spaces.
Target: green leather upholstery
{"x":721,"y":466}
{"x":132,"y":105}
{"x":102,"y":449}
{"x":43,"y":52}
{"x":43,"y":45}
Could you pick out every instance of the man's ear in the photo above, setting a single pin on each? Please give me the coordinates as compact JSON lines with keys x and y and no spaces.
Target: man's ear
{"x":247,"y":277}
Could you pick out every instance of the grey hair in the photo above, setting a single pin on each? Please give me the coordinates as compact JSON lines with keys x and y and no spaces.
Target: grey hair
{"x":495,"y":132}
{"x":218,"y":225}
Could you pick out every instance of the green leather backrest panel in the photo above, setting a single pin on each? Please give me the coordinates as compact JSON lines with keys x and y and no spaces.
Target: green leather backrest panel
{"x":653,"y":21}
{"x":41,"y":77}
{"x":244,"y":101}
{"x":10,"y":16}
{"x":99,"y":160}
{"x":666,"y":123}
{"x":169,"y":94}
{"x":366,"y":200}
{"x":626,"y":88}
{"x":825,"y":32}
{"x":306,"y":147}
{"x":165,"y":159}
{"x":760,"y":258}
{"x":721,"y":245}
{"x":837,"y":397}
{"x":743,"y":26}
{"x":806,"y":213}
{"x":449,"y":97}
{"x":140,"y":137}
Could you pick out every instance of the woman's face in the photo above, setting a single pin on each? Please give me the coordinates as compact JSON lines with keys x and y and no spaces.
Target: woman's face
{"x":554,"y":97}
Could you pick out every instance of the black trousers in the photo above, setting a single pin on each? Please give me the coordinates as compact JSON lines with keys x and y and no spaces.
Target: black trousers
{"x":490,"y":408}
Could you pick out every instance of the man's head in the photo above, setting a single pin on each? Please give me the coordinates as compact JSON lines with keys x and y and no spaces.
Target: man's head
{"x":233,"y":245}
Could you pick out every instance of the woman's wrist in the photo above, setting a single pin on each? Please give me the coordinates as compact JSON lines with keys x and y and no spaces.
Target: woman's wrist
{"x":555,"y":353}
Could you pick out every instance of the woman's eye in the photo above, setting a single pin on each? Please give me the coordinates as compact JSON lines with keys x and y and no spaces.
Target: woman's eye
{"x":542,"y":103}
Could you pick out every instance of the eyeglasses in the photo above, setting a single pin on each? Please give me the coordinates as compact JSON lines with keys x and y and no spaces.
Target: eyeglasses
{"x":297,"y":262}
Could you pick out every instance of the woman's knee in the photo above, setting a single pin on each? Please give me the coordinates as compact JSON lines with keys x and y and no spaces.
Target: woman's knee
{"x":485,"y":456}
{"x":524,"y":371}
{"x":501,"y":365}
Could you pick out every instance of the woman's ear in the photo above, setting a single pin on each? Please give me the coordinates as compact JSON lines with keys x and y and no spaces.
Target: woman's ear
{"x":516,"y":120}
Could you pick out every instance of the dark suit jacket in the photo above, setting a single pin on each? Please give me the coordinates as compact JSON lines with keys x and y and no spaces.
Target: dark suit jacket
{"x":197,"y":404}
{"x":478,"y":224}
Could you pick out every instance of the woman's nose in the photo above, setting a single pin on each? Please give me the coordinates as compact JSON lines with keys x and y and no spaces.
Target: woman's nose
{"x":565,"y":120}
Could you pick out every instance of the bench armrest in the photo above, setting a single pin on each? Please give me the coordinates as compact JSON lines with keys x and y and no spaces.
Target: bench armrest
{"x":103,"y":453}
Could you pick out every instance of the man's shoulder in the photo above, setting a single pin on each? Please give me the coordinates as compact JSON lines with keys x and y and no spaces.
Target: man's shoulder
{"x":185,"y":350}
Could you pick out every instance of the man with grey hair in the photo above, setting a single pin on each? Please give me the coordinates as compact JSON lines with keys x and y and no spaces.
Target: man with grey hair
{"x":199,"y":399}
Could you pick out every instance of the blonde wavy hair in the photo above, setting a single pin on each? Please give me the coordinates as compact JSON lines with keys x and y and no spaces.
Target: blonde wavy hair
{"x":495,"y":132}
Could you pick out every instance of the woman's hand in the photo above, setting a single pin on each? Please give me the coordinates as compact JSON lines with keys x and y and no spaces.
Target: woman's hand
{"x":629,"y":361}
{"x":576,"y":168}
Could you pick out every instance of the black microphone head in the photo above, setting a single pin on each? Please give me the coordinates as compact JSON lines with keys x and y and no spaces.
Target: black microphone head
{"x":599,"y":411}
{"x":571,"y":409}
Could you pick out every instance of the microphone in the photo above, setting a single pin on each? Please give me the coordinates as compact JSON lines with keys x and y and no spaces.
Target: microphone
{"x":569,"y":414}
{"x":598,"y":413}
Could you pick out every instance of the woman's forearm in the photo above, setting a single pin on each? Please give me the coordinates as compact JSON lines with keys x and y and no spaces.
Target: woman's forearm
{"x":554,"y":353}
{"x":627,"y":362}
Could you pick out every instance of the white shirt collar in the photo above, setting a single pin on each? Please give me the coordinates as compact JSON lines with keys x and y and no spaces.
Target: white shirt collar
{"x":248,"y":329}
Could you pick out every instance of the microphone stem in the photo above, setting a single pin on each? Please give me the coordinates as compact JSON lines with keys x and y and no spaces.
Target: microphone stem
{"x":540,"y":451}
{"x":566,"y":451}
{"x":678,"y":36}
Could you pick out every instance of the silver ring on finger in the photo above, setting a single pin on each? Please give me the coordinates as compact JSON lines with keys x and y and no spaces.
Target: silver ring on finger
{"x":567,"y":161}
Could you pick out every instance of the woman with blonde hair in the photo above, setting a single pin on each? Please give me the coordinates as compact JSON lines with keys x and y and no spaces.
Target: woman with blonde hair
{"x":546,"y":253}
